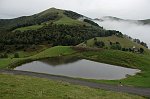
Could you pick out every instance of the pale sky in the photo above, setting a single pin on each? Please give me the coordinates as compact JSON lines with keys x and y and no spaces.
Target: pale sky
{"x":128,"y":9}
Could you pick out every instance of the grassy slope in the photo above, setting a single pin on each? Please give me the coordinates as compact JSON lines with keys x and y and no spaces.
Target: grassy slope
{"x":55,"y":51}
{"x":126,"y":59}
{"x":29,"y":52}
{"x":63,"y":20}
{"x":121,"y":58}
{"x":68,"y":21}
{"x":4,"y":63}
{"x":16,"y":87}
{"x":124,"y":42}
{"x":33,"y":27}
{"x":50,"y":52}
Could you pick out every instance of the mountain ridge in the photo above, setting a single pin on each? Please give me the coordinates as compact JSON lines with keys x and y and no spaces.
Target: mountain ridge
{"x":51,"y":14}
{"x":111,"y":18}
{"x":53,"y":27}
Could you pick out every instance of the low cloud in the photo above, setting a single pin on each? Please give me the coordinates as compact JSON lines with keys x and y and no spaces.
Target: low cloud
{"x":131,"y":9}
{"x":138,"y":31}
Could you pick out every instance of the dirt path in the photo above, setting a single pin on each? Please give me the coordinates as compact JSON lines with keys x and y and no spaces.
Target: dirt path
{"x":133,"y":90}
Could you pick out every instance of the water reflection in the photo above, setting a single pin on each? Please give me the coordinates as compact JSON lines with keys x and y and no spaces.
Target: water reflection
{"x":80,"y":68}
{"x":56,"y":61}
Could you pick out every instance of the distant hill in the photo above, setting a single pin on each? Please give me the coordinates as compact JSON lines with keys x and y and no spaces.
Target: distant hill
{"x":51,"y":27}
{"x":52,"y":15}
{"x":147,"y":21}
{"x":123,"y":41}
{"x":111,"y":18}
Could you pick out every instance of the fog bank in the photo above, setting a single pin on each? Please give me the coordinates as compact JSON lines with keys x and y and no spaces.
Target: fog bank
{"x":141,"y":32}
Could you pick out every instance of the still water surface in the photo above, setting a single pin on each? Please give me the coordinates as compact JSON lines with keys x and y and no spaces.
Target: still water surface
{"x":79,"y":68}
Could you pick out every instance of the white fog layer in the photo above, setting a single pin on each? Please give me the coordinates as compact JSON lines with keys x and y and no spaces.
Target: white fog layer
{"x":141,"y":32}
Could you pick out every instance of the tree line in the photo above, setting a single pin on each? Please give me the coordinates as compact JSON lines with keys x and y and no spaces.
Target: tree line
{"x":53,"y":34}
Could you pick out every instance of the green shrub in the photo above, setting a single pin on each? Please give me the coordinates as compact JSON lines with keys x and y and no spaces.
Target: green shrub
{"x":16,"y":55}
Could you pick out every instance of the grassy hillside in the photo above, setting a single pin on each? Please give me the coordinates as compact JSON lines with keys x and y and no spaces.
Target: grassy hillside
{"x":55,"y":51}
{"x":63,"y":20}
{"x":50,"y":52}
{"x":33,"y":27}
{"x":72,"y":32}
{"x":24,"y":87}
{"x":48,"y":15}
{"x":68,"y":21}
{"x":124,"y":42}
{"x":116,"y":57}
{"x":36,"y":21}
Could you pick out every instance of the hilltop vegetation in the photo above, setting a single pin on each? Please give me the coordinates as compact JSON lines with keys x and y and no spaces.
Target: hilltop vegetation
{"x":52,"y":27}
{"x":52,"y":35}
{"x":47,"y":16}
{"x":116,"y":43}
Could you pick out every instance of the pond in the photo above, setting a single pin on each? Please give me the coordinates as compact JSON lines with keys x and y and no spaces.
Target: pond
{"x":78,"y":68}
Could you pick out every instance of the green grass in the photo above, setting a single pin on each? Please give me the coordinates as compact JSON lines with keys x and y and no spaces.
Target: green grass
{"x":50,"y":52}
{"x":4,"y":63}
{"x":68,"y":21}
{"x":124,"y":42}
{"x":63,"y":20}
{"x":29,"y":52}
{"x":116,"y":57}
{"x":126,"y":59}
{"x":55,"y":51}
{"x":33,"y":27}
{"x":51,"y":11}
{"x":24,"y":87}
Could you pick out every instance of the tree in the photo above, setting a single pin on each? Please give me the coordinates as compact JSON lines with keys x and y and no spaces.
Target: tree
{"x":91,"y":22}
{"x":111,"y":43}
{"x":116,"y":47}
{"x":144,"y":44}
{"x":16,"y":55}
{"x":130,"y":50}
{"x":141,"y":50}
{"x":95,"y":39}
{"x":100,"y":44}
{"x":85,"y":42}
{"x":117,"y":43}
{"x":1,"y":56}
{"x":5,"y":55}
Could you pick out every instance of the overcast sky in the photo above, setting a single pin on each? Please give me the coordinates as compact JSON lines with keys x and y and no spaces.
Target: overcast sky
{"x":129,"y":9}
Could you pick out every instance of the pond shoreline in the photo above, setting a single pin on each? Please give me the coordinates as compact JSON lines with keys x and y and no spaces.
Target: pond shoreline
{"x":78,"y":67}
